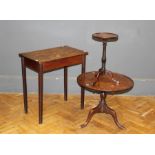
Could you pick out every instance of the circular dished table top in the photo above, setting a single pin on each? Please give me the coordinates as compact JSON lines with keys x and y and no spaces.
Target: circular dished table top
{"x":110,"y":83}
{"x":105,"y":37}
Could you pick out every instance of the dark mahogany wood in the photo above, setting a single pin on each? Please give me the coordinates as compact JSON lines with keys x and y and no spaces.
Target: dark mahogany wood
{"x":52,"y":54}
{"x":65,"y":82}
{"x":105,"y":85}
{"x":31,"y":64}
{"x":102,"y":107}
{"x":106,"y":82}
{"x":47,"y":60}
{"x":105,"y":37}
{"x":83,"y":69}
{"x":57,"y":64}
{"x":40,"y":92}
{"x":24,"y":85}
{"x":103,"y":81}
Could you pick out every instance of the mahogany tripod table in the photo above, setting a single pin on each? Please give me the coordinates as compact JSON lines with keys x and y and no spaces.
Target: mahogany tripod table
{"x":103,"y":81}
{"x":47,"y":60}
{"x":104,"y":86}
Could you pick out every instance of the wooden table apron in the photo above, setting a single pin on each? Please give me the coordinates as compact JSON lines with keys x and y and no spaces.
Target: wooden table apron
{"x":43,"y":67}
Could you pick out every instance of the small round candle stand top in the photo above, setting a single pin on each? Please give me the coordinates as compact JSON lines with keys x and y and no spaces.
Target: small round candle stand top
{"x":105,"y":37}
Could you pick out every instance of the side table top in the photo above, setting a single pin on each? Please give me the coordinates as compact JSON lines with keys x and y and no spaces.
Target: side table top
{"x":105,"y":37}
{"x":52,"y":54}
{"x":105,"y":83}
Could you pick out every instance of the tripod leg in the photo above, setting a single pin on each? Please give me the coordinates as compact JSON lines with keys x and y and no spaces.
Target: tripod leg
{"x":90,"y":115}
{"x":114,"y":115}
{"x":102,"y":107}
{"x":98,"y":109}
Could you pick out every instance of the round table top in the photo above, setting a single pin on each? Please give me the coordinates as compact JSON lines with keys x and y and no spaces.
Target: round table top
{"x":105,"y":37}
{"x":112,"y":83}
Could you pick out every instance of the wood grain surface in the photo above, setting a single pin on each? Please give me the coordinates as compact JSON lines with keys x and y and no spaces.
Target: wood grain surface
{"x":51,"y":54}
{"x":137,"y":114}
{"x":110,"y":82}
{"x":105,"y":37}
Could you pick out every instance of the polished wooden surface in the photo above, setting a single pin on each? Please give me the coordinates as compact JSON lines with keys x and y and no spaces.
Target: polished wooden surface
{"x":104,"y":82}
{"x":52,"y":54}
{"x":136,"y":113}
{"x":47,"y":60}
{"x":107,"y":83}
{"x":105,"y":37}
{"x":120,"y":83}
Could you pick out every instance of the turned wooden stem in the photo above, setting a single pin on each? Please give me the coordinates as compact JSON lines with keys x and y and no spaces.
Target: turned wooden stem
{"x":103,"y":68}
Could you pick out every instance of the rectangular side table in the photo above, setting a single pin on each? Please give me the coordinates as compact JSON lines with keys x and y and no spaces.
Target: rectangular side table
{"x":47,"y":60}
